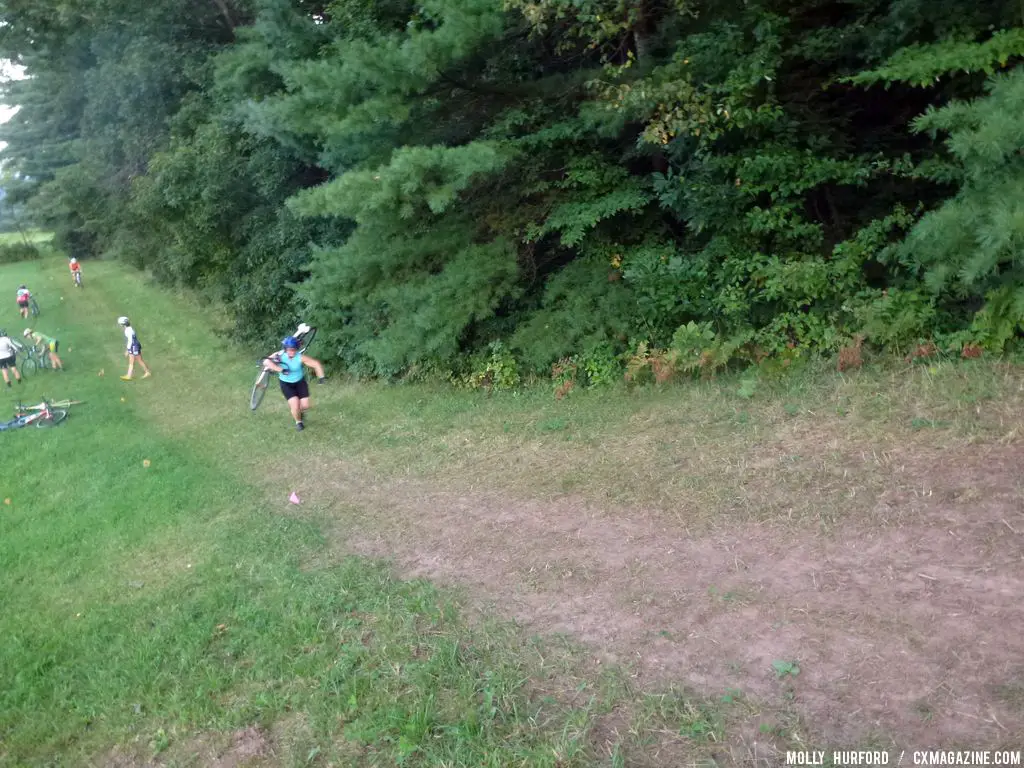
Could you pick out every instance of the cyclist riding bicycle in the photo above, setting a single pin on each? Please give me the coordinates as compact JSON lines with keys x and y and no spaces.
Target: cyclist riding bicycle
{"x":50,"y":344}
{"x":76,"y":270}
{"x":289,"y":367}
{"x":23,"y":298}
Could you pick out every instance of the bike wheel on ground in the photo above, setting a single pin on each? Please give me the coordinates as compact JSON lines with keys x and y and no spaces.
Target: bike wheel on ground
{"x":33,"y":307}
{"x":57,"y":415}
{"x":259,"y":389}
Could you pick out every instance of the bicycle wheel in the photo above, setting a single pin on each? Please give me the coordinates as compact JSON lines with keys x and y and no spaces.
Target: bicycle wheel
{"x":33,"y":307}
{"x":27,"y":365}
{"x":57,"y":415}
{"x":259,"y":389}
{"x":306,"y":339}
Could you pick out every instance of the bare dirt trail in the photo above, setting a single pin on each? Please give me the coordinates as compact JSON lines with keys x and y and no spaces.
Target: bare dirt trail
{"x":909,"y":633}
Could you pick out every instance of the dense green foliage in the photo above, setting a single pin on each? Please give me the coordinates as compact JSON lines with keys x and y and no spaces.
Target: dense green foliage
{"x":10,"y":252}
{"x":566,"y":178}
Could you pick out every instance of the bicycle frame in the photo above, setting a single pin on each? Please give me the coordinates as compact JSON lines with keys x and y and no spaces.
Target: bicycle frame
{"x":65,"y":403}
{"x":36,"y":357}
{"x":42,"y":414}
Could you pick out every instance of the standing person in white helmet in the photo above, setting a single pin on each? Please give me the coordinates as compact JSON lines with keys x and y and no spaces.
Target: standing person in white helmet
{"x":133,"y":350}
{"x":9,"y":349}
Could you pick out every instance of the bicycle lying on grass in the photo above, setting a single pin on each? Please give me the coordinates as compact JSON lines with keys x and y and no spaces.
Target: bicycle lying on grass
{"x":45,"y":414}
{"x":305,"y":334}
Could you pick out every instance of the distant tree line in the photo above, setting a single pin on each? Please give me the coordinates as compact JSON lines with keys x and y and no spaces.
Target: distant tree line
{"x":587,"y":183}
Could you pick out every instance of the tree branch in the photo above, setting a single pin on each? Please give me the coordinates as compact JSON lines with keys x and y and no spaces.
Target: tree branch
{"x":225,"y":11}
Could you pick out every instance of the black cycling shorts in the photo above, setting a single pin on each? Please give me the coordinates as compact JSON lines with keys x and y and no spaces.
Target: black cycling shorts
{"x":7,"y":362}
{"x":299,"y":389}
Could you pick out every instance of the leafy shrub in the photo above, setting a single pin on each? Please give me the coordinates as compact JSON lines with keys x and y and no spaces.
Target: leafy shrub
{"x":579,"y":310}
{"x":13,"y":252}
{"x":646,"y":365}
{"x":898,"y":317}
{"x":1001,"y":319}
{"x":499,"y":371}
{"x":785,"y":363}
{"x":564,"y":373}
{"x":601,"y":366}
{"x":699,"y":348}
{"x":691,"y":340}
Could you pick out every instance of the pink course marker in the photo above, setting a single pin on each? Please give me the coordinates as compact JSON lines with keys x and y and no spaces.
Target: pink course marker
{"x":294,"y":499}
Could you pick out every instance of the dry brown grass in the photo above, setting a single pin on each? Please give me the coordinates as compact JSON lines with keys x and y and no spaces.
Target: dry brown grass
{"x":861,"y":524}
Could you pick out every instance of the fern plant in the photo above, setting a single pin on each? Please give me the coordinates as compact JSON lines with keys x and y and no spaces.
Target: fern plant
{"x":972,"y":247}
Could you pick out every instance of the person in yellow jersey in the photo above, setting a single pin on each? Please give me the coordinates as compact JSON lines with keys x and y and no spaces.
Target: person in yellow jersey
{"x":50,"y":344}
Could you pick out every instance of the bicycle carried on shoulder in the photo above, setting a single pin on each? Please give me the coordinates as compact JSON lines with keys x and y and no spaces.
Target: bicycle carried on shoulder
{"x":305,"y":334}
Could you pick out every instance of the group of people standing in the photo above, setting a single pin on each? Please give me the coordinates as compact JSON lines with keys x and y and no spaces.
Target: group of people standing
{"x":289,"y":365}
{"x":9,"y":348}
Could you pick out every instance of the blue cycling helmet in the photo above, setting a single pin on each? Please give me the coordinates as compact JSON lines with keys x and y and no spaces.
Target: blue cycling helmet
{"x":290,"y":342}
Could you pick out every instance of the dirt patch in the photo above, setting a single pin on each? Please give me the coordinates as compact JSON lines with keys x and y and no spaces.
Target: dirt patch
{"x":245,"y":748}
{"x":905,"y":630}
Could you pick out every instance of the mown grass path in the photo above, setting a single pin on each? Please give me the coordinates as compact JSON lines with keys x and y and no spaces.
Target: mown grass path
{"x":154,"y":601}
{"x":164,"y":604}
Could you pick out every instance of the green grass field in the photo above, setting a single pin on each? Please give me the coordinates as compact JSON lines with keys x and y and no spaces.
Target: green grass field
{"x":34,"y":236}
{"x":156,"y":592}
{"x":161,"y":596}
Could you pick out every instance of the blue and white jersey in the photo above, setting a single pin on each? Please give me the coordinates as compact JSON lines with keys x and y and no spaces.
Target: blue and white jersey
{"x":133,"y":340}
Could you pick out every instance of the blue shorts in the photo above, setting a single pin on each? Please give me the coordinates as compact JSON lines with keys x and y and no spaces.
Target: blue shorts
{"x":135,"y":348}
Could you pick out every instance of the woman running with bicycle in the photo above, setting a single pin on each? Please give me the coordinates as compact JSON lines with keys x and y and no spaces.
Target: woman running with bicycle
{"x":289,"y":368}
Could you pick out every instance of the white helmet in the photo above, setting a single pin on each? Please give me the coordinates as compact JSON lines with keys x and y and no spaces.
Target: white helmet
{"x":122,"y":320}
{"x":28,"y":332}
{"x":74,"y":260}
